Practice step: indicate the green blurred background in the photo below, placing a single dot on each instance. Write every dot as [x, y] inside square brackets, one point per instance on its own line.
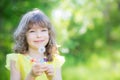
[88, 32]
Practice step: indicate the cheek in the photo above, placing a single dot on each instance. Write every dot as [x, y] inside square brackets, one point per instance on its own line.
[47, 37]
[29, 38]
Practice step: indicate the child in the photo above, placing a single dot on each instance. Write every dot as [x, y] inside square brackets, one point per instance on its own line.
[36, 49]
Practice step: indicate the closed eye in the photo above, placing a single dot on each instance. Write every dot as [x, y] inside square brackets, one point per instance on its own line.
[44, 30]
[31, 31]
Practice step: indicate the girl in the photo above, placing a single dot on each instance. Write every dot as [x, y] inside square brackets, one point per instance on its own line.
[36, 49]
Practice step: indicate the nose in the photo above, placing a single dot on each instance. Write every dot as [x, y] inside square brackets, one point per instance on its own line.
[38, 34]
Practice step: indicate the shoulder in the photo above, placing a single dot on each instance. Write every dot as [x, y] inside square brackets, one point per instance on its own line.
[58, 60]
[11, 57]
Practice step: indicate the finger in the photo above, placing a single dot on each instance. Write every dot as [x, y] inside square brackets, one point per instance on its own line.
[36, 69]
[39, 72]
[38, 66]
[44, 67]
[50, 73]
[50, 68]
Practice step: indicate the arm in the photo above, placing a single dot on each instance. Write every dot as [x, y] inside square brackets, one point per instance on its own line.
[37, 70]
[53, 74]
[14, 72]
[58, 74]
[30, 77]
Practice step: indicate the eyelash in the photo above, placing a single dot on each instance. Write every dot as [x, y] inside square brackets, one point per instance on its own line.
[31, 31]
[43, 30]
[34, 31]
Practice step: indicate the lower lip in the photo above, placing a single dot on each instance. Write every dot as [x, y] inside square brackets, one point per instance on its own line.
[39, 41]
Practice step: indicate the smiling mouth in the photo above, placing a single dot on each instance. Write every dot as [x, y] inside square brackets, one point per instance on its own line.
[39, 41]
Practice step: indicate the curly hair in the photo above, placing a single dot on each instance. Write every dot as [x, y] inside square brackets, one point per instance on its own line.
[28, 20]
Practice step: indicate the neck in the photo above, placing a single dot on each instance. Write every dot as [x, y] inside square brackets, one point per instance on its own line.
[35, 54]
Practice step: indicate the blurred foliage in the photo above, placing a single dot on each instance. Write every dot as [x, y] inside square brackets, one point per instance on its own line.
[87, 31]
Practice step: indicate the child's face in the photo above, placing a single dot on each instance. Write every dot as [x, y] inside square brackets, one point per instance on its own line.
[37, 36]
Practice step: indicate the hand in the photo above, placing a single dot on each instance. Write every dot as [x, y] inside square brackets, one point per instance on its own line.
[49, 70]
[38, 69]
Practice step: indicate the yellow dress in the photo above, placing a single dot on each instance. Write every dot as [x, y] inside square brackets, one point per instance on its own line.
[23, 64]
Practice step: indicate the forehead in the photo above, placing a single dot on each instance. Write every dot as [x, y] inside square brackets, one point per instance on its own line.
[36, 26]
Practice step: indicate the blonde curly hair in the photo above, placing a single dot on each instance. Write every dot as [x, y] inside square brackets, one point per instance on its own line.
[28, 20]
